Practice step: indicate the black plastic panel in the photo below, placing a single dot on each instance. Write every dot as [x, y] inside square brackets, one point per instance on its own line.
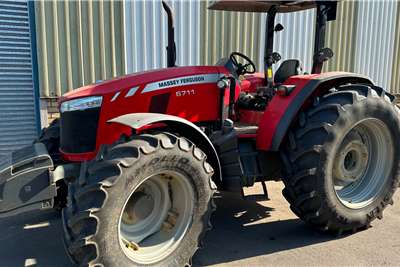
[25, 182]
[159, 103]
[79, 130]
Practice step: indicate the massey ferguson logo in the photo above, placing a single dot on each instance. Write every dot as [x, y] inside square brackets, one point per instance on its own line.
[181, 81]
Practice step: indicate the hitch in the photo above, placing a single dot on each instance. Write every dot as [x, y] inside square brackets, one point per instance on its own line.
[27, 181]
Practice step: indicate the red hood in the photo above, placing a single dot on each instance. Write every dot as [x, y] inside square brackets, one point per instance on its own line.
[138, 79]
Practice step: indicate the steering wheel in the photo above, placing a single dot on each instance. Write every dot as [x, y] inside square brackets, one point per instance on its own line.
[248, 67]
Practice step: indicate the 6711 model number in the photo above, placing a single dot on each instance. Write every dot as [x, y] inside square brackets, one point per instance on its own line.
[185, 92]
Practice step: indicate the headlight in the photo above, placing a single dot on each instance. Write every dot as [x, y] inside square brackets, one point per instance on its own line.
[81, 103]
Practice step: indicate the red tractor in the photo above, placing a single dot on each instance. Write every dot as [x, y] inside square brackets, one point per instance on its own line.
[134, 161]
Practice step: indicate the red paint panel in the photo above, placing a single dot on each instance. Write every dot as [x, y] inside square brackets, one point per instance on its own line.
[276, 109]
[279, 104]
[140, 78]
[247, 135]
[77, 157]
[196, 102]
[252, 82]
[250, 116]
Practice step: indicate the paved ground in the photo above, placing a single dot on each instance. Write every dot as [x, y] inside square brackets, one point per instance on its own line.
[246, 233]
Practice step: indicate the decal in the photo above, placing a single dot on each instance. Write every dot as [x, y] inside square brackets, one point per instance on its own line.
[115, 96]
[181, 81]
[269, 72]
[132, 91]
[185, 93]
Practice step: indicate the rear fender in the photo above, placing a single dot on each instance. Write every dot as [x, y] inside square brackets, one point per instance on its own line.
[282, 110]
[180, 126]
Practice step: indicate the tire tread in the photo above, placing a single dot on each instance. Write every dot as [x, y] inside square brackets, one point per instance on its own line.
[112, 162]
[299, 180]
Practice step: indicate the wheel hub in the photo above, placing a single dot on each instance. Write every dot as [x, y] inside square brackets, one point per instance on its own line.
[363, 163]
[156, 217]
[351, 162]
[139, 207]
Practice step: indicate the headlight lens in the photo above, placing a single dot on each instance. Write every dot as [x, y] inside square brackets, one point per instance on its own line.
[81, 103]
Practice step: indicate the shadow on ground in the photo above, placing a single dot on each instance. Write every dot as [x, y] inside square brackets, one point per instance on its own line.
[32, 239]
[240, 231]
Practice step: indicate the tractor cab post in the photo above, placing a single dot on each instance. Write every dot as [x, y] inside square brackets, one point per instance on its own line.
[269, 47]
[326, 11]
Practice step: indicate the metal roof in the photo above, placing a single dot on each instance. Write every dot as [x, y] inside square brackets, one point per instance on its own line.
[261, 6]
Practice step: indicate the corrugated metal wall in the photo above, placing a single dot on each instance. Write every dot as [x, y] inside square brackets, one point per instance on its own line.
[223, 32]
[297, 39]
[110, 38]
[146, 34]
[375, 41]
[357, 46]
[341, 37]
[18, 120]
[79, 42]
[395, 85]
[204, 36]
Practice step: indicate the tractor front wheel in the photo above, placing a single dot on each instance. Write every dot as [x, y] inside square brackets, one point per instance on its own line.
[342, 161]
[144, 202]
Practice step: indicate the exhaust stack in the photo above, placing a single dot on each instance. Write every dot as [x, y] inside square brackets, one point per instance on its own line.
[171, 48]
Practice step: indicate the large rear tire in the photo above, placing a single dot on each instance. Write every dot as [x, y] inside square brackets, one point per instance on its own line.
[342, 161]
[142, 202]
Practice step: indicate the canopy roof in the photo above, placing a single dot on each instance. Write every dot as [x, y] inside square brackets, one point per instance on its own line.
[261, 6]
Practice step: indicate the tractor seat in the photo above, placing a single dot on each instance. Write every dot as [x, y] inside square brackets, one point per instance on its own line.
[288, 68]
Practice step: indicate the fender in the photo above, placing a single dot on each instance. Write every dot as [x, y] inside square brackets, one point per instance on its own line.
[282, 110]
[181, 126]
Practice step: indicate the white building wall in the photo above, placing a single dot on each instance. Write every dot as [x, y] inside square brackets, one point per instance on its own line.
[146, 34]
[375, 40]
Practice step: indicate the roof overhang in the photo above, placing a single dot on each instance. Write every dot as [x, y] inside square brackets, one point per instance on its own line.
[261, 6]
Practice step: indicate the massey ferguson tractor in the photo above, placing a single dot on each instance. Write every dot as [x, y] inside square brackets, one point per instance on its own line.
[133, 162]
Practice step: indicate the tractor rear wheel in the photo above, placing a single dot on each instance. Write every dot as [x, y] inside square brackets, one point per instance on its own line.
[342, 161]
[142, 202]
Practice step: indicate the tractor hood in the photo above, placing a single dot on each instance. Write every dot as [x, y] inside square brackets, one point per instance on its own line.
[140, 80]
[86, 112]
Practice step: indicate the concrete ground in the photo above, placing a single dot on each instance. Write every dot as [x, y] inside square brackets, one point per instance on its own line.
[246, 233]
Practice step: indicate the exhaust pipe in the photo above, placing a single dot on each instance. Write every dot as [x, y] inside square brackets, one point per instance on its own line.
[171, 48]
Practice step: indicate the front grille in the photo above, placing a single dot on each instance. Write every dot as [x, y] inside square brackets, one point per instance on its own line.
[79, 130]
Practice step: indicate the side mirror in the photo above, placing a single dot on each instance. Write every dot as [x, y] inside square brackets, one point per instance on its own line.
[276, 57]
[324, 54]
[279, 27]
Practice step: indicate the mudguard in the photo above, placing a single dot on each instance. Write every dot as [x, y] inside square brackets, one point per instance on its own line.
[282, 110]
[181, 126]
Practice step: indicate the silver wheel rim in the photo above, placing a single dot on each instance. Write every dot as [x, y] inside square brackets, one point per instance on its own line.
[363, 163]
[156, 217]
